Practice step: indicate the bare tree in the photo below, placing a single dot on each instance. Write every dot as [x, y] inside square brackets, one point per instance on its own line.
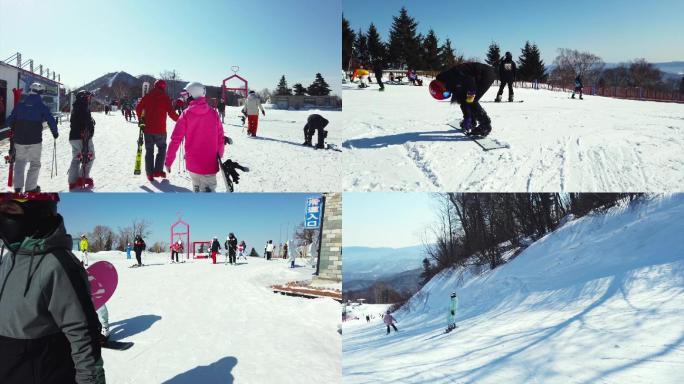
[173, 77]
[645, 74]
[141, 228]
[305, 236]
[125, 236]
[570, 63]
[101, 239]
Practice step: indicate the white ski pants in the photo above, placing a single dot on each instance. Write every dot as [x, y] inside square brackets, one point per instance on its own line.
[203, 183]
[75, 170]
[27, 154]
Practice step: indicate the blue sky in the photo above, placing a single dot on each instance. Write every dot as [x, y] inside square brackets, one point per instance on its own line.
[253, 217]
[386, 219]
[201, 39]
[615, 30]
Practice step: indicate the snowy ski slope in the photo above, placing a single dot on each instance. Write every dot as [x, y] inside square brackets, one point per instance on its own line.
[600, 300]
[399, 141]
[201, 323]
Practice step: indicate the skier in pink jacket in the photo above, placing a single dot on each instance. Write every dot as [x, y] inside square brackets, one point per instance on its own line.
[201, 128]
[389, 320]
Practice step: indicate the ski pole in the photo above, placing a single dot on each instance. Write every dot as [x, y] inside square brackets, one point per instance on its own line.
[53, 170]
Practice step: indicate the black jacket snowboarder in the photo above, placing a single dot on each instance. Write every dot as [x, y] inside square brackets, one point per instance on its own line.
[507, 70]
[138, 247]
[578, 87]
[215, 245]
[467, 83]
[315, 122]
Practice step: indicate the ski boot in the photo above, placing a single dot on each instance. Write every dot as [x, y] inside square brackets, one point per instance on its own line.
[87, 182]
[150, 178]
[322, 134]
[510, 98]
[17, 190]
[498, 99]
[161, 174]
[307, 140]
[34, 190]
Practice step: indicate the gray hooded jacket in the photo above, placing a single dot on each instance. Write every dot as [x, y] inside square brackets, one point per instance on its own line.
[41, 296]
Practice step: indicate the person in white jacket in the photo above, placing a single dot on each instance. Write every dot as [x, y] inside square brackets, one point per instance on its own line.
[252, 108]
[269, 249]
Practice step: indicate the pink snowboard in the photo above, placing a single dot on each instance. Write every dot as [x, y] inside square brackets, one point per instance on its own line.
[103, 280]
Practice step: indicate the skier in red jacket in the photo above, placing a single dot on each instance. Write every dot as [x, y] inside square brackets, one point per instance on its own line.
[154, 107]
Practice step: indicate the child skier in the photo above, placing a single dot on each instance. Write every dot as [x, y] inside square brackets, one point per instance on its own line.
[389, 321]
[578, 87]
[451, 314]
[26, 122]
[81, 140]
[252, 108]
[83, 247]
[466, 83]
[201, 129]
[215, 248]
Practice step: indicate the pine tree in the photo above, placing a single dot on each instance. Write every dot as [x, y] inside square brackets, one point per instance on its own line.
[319, 87]
[493, 55]
[447, 59]
[376, 48]
[404, 46]
[348, 38]
[361, 49]
[282, 89]
[431, 57]
[299, 90]
[530, 65]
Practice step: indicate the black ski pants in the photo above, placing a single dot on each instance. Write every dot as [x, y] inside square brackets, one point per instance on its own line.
[393, 326]
[138, 256]
[174, 253]
[231, 256]
[510, 88]
[154, 164]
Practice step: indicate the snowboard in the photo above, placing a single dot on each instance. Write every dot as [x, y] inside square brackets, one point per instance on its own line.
[117, 345]
[9, 158]
[485, 142]
[138, 154]
[103, 281]
[331, 147]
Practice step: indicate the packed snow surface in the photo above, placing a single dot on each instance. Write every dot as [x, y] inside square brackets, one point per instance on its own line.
[276, 159]
[599, 300]
[196, 322]
[398, 140]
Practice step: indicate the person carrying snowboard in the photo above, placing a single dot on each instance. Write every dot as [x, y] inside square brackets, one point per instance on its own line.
[578, 87]
[83, 247]
[155, 106]
[252, 108]
[451, 314]
[49, 330]
[466, 83]
[26, 123]
[231, 248]
[138, 247]
[314, 123]
[215, 248]
[389, 320]
[202, 133]
[81, 140]
[506, 76]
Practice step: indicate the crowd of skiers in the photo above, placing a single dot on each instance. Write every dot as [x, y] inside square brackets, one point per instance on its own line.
[198, 127]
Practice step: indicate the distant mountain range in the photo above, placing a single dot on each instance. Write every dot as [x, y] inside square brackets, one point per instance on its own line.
[671, 68]
[365, 268]
[114, 84]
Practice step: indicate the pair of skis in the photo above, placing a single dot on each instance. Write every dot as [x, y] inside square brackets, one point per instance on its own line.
[138, 154]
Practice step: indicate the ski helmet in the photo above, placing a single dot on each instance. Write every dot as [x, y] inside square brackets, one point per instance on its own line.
[161, 84]
[438, 90]
[37, 88]
[196, 90]
[509, 56]
[27, 214]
